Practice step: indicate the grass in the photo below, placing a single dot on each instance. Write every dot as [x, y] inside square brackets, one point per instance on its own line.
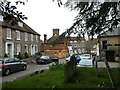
[54, 77]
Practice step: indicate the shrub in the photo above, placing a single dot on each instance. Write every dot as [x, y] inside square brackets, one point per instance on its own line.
[56, 66]
[21, 56]
[38, 53]
[26, 55]
[5, 55]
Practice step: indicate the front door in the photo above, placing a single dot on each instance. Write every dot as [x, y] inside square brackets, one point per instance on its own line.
[10, 49]
[110, 55]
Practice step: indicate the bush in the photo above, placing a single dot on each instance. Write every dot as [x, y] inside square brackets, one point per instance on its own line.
[38, 53]
[56, 66]
[26, 55]
[21, 56]
[5, 55]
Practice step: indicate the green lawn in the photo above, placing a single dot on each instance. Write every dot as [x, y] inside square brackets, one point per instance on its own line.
[54, 77]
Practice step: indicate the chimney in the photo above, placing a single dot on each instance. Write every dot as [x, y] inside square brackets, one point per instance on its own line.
[45, 38]
[56, 32]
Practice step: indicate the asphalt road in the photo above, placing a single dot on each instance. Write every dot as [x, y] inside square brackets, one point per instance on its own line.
[30, 69]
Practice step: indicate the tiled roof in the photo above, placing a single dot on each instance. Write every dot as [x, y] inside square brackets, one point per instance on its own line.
[56, 47]
[25, 27]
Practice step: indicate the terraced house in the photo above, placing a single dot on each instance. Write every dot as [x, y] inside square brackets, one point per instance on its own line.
[18, 38]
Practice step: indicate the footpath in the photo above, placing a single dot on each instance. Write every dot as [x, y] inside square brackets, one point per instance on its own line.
[111, 64]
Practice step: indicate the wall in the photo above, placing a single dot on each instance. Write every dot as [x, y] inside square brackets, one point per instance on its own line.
[0, 41]
[111, 41]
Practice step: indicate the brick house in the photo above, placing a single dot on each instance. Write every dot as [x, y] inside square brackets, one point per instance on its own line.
[18, 38]
[80, 45]
[52, 48]
[109, 45]
[65, 46]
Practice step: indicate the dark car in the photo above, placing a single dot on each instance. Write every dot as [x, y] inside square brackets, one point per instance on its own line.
[43, 60]
[9, 65]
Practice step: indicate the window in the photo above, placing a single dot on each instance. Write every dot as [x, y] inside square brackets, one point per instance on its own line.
[20, 24]
[18, 35]
[26, 36]
[18, 48]
[1, 18]
[104, 44]
[36, 38]
[8, 33]
[31, 37]
[36, 48]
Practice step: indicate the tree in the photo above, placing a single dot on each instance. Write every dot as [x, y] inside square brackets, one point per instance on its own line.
[93, 17]
[10, 12]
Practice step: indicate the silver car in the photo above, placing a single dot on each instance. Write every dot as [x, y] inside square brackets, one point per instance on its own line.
[86, 60]
[9, 65]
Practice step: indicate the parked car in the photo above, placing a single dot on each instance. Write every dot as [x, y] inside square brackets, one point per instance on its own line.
[9, 65]
[77, 58]
[86, 60]
[43, 60]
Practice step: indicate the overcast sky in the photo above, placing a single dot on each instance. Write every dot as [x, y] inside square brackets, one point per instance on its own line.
[44, 15]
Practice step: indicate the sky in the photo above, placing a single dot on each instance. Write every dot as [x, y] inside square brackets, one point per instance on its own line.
[44, 15]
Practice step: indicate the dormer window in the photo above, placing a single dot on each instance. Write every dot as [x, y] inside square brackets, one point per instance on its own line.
[20, 24]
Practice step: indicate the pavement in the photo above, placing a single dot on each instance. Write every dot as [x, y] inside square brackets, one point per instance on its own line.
[111, 64]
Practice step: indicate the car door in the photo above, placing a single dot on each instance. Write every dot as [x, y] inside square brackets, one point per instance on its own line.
[18, 65]
[10, 64]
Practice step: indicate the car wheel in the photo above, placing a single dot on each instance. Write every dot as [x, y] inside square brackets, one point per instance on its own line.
[38, 63]
[24, 67]
[7, 72]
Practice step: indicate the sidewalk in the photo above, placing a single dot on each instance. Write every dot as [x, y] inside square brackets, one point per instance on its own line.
[112, 64]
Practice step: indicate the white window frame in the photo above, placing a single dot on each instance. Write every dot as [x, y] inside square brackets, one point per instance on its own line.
[31, 37]
[26, 36]
[36, 38]
[1, 18]
[9, 32]
[20, 24]
[18, 48]
[36, 48]
[18, 35]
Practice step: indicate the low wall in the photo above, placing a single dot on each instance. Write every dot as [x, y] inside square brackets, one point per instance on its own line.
[69, 69]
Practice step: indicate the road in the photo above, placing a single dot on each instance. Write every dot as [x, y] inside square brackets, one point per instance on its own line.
[30, 69]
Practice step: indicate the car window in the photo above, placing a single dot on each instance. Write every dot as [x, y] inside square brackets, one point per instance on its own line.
[10, 60]
[1, 61]
[17, 60]
[45, 57]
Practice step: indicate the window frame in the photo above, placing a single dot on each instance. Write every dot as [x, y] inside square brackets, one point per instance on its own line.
[18, 50]
[32, 37]
[9, 33]
[26, 36]
[18, 37]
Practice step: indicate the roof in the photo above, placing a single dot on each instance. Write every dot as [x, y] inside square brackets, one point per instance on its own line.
[56, 47]
[52, 39]
[25, 27]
